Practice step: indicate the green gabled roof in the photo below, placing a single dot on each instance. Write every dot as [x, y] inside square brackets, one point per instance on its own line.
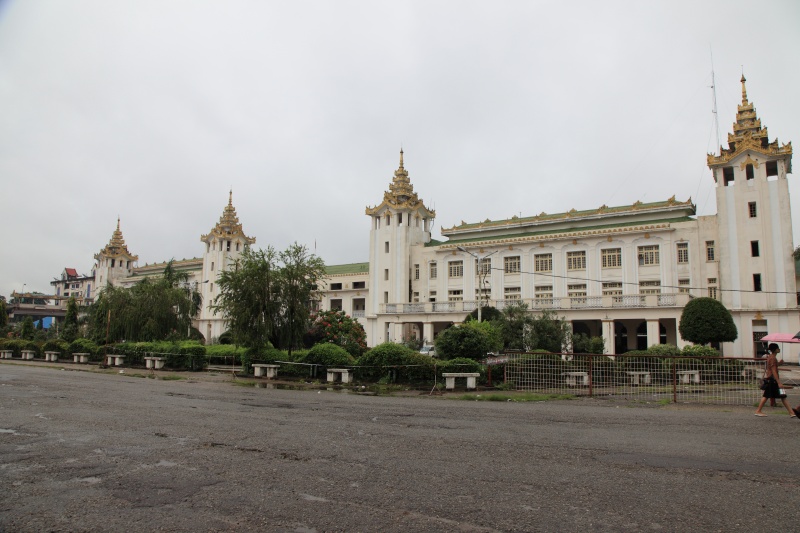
[434, 242]
[352, 268]
[600, 227]
[572, 214]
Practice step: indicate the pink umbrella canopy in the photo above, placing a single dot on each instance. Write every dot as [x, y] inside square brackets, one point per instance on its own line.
[782, 337]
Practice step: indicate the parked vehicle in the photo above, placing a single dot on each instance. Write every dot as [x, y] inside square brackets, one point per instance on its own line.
[428, 350]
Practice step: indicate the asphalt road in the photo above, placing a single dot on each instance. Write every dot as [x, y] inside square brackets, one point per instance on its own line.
[82, 451]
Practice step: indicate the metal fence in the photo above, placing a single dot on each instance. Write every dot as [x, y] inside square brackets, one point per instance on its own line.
[717, 380]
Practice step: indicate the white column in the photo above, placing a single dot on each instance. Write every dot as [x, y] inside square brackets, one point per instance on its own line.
[608, 336]
[427, 332]
[653, 332]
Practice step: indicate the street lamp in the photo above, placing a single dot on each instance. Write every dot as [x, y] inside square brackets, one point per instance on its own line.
[481, 275]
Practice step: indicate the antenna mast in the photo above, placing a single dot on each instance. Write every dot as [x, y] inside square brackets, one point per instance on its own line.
[714, 100]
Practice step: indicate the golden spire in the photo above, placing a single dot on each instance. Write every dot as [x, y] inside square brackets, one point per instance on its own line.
[748, 134]
[744, 90]
[228, 225]
[116, 246]
[401, 194]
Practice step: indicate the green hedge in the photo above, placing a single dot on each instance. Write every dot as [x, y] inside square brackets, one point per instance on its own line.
[185, 355]
[394, 362]
[18, 345]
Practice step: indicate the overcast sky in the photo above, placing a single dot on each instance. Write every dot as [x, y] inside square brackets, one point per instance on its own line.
[153, 110]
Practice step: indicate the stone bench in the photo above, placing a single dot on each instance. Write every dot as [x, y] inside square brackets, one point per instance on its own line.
[573, 379]
[51, 356]
[343, 372]
[639, 378]
[115, 360]
[270, 371]
[154, 362]
[80, 357]
[28, 354]
[450, 379]
[6, 354]
[689, 376]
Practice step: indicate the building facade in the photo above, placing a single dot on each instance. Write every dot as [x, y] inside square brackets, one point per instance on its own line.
[624, 273]
[621, 272]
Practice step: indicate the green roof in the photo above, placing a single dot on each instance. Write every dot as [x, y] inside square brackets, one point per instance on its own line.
[570, 230]
[351, 268]
[574, 214]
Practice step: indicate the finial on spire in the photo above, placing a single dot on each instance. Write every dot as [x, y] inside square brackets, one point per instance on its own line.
[744, 90]
[401, 157]
[230, 197]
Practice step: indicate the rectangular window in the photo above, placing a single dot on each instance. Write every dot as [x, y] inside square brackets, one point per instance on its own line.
[485, 267]
[228, 249]
[485, 294]
[727, 176]
[709, 250]
[212, 287]
[683, 286]
[455, 269]
[712, 292]
[772, 168]
[752, 210]
[754, 251]
[750, 172]
[576, 290]
[113, 262]
[576, 260]
[237, 246]
[543, 291]
[649, 287]
[432, 296]
[386, 297]
[336, 286]
[415, 297]
[683, 252]
[511, 264]
[757, 282]
[359, 284]
[649, 255]
[513, 293]
[433, 271]
[611, 257]
[386, 247]
[386, 274]
[456, 295]
[612, 288]
[416, 271]
[212, 266]
[543, 263]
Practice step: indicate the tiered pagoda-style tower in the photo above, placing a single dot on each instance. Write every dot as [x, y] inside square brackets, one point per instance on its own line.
[224, 243]
[399, 222]
[114, 261]
[754, 217]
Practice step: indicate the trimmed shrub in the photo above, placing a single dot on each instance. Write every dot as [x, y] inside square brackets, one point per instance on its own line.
[395, 362]
[328, 355]
[62, 347]
[698, 350]
[84, 346]
[461, 364]
[664, 349]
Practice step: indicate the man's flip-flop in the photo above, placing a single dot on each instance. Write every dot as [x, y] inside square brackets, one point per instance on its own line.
[760, 414]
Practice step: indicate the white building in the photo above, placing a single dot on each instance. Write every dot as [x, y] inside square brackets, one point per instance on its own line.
[622, 272]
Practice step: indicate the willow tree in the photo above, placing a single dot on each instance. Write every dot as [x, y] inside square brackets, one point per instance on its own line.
[265, 297]
[153, 309]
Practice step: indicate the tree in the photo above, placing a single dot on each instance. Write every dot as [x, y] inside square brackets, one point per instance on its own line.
[248, 298]
[266, 297]
[3, 314]
[298, 279]
[153, 309]
[472, 340]
[706, 320]
[548, 332]
[336, 327]
[27, 330]
[488, 313]
[515, 322]
[70, 330]
[583, 343]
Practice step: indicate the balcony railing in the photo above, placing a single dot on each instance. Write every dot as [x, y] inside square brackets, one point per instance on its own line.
[536, 304]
